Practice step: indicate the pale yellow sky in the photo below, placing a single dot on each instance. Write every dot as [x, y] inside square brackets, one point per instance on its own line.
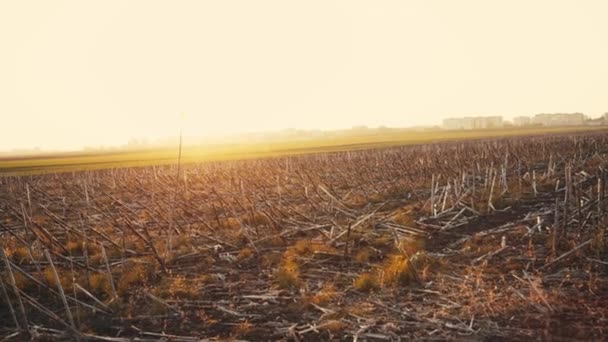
[75, 73]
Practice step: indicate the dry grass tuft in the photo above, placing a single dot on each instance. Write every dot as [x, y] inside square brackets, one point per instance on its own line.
[325, 295]
[366, 282]
[182, 245]
[405, 218]
[271, 259]
[477, 245]
[382, 241]
[65, 278]
[136, 245]
[308, 248]
[362, 309]
[242, 328]
[256, 219]
[231, 223]
[355, 199]
[245, 253]
[377, 197]
[18, 254]
[363, 255]
[180, 287]
[134, 274]
[100, 284]
[287, 278]
[397, 271]
[288, 275]
[22, 282]
[333, 326]
[411, 247]
[275, 241]
[302, 247]
[76, 248]
[205, 279]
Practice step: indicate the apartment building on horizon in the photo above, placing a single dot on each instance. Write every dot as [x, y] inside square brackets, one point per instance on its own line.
[473, 122]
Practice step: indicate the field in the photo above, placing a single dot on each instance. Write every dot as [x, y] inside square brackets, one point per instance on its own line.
[349, 141]
[493, 238]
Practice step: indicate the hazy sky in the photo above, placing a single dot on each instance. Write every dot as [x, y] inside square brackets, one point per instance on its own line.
[75, 73]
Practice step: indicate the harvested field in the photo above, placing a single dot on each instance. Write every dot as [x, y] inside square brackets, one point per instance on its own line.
[480, 240]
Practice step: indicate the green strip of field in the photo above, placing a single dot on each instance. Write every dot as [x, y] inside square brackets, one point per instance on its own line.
[75, 161]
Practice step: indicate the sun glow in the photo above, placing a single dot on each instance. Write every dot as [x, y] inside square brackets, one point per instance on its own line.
[88, 73]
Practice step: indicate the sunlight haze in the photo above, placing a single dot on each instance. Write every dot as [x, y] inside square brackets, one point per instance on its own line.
[89, 73]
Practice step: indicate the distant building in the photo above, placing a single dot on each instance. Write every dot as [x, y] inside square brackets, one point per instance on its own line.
[595, 122]
[522, 121]
[457, 123]
[490, 122]
[470, 122]
[559, 119]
